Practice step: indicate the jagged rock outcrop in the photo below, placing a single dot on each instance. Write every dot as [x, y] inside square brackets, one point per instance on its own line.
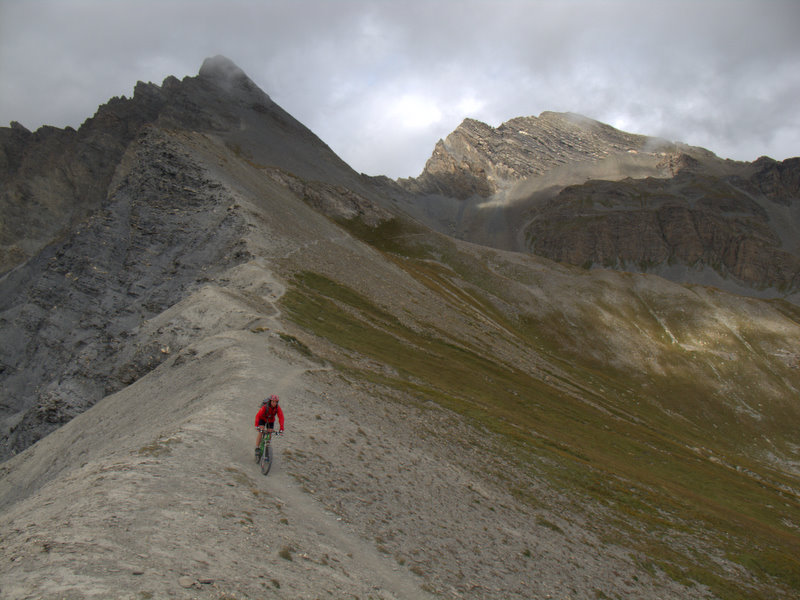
[52, 178]
[778, 181]
[479, 160]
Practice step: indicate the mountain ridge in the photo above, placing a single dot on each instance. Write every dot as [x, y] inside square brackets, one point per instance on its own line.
[78, 165]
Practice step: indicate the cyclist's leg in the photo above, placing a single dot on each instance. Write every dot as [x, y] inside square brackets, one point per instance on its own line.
[259, 436]
[270, 430]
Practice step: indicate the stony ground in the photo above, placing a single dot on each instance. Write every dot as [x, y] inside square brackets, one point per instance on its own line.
[153, 493]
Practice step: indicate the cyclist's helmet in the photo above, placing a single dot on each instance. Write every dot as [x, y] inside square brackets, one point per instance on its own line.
[272, 397]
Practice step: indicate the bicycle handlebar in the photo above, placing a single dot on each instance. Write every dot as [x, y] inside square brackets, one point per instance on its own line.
[265, 429]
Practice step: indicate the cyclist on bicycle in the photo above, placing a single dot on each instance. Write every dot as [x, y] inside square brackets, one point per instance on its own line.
[266, 418]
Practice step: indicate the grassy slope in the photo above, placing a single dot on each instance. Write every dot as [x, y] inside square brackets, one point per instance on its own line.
[659, 406]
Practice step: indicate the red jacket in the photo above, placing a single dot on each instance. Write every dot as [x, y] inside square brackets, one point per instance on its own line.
[267, 413]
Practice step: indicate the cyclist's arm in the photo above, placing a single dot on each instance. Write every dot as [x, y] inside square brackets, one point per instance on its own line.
[260, 415]
[280, 416]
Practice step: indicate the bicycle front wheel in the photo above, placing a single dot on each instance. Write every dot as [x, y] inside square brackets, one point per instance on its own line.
[266, 460]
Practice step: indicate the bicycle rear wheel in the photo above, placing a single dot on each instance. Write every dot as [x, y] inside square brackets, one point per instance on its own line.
[266, 460]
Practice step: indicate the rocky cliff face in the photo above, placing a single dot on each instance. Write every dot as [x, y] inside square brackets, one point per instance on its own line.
[778, 181]
[71, 317]
[694, 220]
[52, 178]
[477, 159]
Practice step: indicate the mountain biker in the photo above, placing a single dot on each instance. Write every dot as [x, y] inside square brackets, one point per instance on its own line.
[265, 417]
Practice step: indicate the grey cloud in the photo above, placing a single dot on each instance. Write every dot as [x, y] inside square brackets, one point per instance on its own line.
[724, 75]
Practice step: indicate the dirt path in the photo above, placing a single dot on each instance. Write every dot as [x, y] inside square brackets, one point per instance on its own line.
[323, 528]
[184, 511]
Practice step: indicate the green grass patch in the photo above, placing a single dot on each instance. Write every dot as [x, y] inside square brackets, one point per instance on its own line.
[296, 344]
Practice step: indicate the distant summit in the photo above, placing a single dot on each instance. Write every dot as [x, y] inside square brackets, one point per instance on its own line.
[221, 68]
[224, 72]
[477, 159]
[559, 185]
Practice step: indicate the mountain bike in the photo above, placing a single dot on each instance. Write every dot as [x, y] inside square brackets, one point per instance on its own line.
[265, 455]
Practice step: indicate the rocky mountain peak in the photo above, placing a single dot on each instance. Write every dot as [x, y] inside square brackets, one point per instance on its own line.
[477, 159]
[221, 68]
[53, 178]
[225, 73]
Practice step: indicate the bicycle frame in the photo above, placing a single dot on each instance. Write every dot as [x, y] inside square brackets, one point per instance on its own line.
[265, 462]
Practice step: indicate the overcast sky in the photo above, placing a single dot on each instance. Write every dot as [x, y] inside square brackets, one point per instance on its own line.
[381, 81]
